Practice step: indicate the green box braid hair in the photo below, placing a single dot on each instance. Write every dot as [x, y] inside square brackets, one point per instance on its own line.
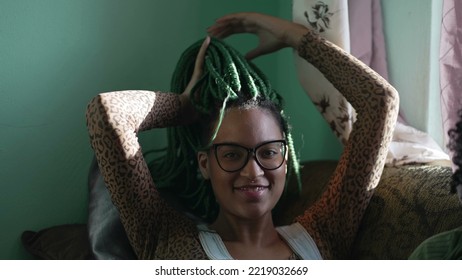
[228, 80]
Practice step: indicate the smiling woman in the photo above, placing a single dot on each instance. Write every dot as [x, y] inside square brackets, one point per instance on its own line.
[248, 181]
[230, 81]
[228, 139]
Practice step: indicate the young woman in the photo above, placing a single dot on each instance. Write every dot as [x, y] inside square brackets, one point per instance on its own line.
[234, 150]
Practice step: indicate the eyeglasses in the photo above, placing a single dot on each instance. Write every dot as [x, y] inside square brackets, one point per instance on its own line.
[232, 157]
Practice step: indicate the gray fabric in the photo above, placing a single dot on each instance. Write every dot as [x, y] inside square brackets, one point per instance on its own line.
[107, 236]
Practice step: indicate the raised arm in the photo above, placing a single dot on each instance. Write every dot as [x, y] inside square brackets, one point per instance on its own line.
[114, 120]
[334, 219]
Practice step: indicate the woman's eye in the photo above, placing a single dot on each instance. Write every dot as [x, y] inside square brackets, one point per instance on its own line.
[231, 155]
[269, 153]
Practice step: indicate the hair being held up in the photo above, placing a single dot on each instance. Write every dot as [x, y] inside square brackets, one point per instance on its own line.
[228, 80]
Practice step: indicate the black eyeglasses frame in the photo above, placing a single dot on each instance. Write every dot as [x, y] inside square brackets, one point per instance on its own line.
[250, 151]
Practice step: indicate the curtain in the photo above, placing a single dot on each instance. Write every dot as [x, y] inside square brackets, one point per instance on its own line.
[451, 63]
[356, 26]
[330, 19]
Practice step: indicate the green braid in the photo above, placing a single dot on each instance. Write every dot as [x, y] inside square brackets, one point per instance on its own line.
[227, 77]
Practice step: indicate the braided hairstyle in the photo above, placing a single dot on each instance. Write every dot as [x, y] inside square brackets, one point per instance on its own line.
[455, 144]
[228, 81]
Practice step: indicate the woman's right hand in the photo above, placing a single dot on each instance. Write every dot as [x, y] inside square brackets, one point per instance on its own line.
[273, 33]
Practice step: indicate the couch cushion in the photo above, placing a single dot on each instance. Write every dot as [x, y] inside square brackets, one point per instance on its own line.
[62, 242]
[411, 203]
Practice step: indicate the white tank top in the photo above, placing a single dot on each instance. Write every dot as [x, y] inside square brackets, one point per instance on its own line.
[295, 235]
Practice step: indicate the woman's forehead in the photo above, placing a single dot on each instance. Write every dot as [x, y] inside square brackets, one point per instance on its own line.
[252, 125]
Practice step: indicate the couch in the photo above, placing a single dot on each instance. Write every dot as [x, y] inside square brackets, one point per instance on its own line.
[410, 204]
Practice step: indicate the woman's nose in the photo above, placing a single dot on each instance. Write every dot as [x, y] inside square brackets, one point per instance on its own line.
[252, 169]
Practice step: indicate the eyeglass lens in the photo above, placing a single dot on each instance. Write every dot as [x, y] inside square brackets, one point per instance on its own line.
[233, 157]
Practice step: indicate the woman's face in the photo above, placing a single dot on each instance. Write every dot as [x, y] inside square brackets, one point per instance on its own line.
[252, 191]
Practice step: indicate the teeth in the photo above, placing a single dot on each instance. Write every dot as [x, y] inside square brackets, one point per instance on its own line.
[252, 188]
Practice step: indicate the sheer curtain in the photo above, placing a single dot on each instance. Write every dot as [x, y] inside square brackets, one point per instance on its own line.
[451, 63]
[356, 26]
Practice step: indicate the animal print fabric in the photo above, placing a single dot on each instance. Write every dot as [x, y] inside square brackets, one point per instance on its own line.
[157, 231]
[334, 219]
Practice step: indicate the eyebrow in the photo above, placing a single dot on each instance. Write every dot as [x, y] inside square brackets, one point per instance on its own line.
[239, 144]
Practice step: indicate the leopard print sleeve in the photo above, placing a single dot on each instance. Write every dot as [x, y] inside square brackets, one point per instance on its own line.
[334, 219]
[113, 121]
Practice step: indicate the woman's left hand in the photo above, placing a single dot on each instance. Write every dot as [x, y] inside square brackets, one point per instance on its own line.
[273, 33]
[188, 113]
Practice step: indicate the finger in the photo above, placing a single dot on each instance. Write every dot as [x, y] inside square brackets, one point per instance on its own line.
[225, 27]
[200, 57]
[215, 30]
[203, 49]
[223, 30]
[232, 18]
[228, 18]
[240, 22]
[253, 54]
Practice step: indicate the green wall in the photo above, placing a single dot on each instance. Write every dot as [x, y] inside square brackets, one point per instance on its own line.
[412, 38]
[57, 54]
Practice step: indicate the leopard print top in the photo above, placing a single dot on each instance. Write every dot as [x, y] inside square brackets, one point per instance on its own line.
[157, 231]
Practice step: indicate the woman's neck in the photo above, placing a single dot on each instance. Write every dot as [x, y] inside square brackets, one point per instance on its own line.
[256, 232]
[251, 239]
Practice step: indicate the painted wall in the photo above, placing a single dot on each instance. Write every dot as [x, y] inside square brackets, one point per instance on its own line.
[56, 54]
[412, 32]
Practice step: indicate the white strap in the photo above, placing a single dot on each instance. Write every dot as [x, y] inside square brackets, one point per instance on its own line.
[300, 241]
[212, 244]
[295, 235]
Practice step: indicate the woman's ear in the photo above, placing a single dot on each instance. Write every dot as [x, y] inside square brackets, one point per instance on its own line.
[203, 160]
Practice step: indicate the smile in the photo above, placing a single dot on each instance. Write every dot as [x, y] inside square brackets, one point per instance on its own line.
[251, 193]
[251, 188]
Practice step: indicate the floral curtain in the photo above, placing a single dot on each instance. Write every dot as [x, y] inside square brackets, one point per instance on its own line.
[330, 19]
[356, 26]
